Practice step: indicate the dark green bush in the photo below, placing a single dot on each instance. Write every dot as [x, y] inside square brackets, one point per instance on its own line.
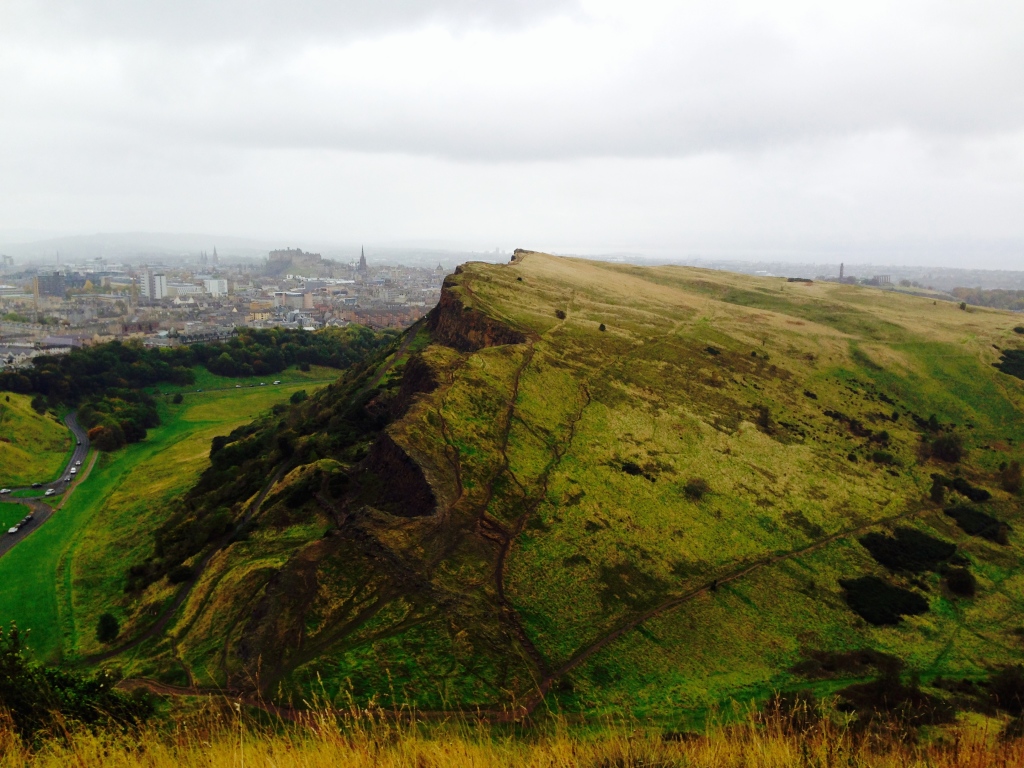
[601, 327]
[974, 522]
[1010, 477]
[909, 550]
[298, 397]
[180, 574]
[560, 314]
[973, 493]
[39, 699]
[107, 628]
[948, 448]
[961, 582]
[1012, 362]
[880, 603]
[177, 399]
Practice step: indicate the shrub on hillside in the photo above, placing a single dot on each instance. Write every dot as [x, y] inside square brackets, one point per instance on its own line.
[909, 550]
[107, 628]
[948, 448]
[298, 397]
[961, 581]
[560, 314]
[1006, 688]
[37, 699]
[880, 603]
[696, 488]
[180, 574]
[973, 493]
[177, 399]
[974, 522]
[1012, 362]
[938, 490]
[1010, 477]
[894, 704]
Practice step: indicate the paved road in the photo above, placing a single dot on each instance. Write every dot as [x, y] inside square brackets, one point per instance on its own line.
[42, 510]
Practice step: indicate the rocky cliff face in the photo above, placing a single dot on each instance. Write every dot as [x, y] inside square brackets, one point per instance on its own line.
[460, 326]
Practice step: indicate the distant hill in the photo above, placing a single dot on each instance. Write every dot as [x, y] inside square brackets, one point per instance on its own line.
[604, 486]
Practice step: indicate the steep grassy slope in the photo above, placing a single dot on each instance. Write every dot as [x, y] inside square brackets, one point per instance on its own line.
[57, 581]
[33, 447]
[612, 486]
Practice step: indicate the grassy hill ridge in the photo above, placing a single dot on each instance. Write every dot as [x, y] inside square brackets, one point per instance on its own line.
[612, 486]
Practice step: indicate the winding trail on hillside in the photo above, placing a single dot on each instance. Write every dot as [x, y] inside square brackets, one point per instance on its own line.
[158, 626]
[168, 613]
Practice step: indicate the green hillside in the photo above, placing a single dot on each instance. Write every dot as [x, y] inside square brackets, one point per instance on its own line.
[609, 487]
[59, 580]
[33, 447]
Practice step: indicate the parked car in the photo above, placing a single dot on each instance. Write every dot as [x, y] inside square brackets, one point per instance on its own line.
[278, 381]
[74, 470]
[5, 490]
[78, 463]
[50, 492]
[238, 386]
[13, 529]
[79, 442]
[37, 485]
[263, 383]
[67, 479]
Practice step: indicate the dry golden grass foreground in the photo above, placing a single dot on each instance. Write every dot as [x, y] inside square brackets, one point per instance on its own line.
[212, 741]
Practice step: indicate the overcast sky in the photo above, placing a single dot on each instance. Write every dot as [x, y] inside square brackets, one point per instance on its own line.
[882, 129]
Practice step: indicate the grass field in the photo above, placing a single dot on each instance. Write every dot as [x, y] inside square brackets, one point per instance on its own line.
[33, 447]
[56, 582]
[10, 514]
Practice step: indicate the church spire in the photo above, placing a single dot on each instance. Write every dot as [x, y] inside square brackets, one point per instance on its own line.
[362, 259]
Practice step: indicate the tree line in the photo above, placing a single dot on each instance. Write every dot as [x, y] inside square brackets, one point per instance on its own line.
[108, 382]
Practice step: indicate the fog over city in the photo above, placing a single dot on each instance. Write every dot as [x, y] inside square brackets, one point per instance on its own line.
[872, 132]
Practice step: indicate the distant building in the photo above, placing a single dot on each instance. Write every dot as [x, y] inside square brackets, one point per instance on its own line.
[51, 285]
[181, 290]
[363, 268]
[154, 285]
[216, 287]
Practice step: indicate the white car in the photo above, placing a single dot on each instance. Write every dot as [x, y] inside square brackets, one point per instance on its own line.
[238, 386]
[13, 529]
[78, 463]
[278, 381]
[5, 490]
[74, 470]
[67, 479]
[50, 492]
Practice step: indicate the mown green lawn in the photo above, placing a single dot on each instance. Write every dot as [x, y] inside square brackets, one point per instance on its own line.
[37, 578]
[10, 514]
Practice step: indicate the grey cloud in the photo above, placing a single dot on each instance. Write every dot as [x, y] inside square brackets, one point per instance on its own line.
[188, 23]
[715, 81]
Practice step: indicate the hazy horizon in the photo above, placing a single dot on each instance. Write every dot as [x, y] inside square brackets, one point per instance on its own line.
[868, 133]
